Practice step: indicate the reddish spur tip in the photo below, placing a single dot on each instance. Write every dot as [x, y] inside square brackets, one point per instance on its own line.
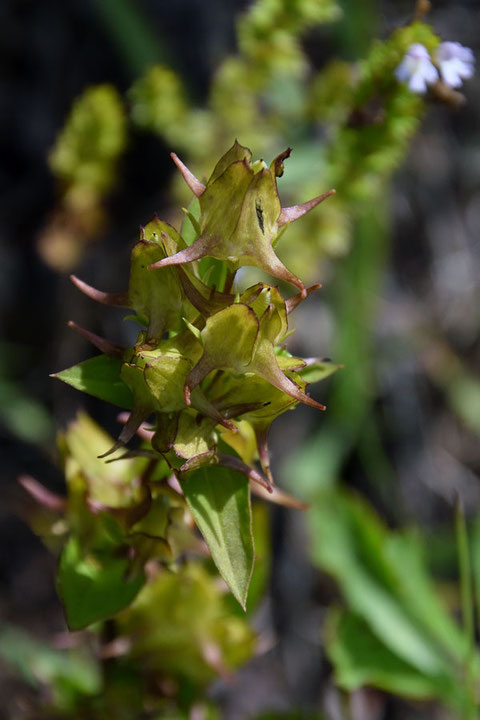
[290, 214]
[193, 183]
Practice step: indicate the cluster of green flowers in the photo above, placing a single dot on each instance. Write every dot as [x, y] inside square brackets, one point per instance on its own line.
[209, 363]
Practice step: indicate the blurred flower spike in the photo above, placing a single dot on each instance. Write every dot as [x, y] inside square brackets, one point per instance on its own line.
[417, 69]
[456, 63]
[453, 64]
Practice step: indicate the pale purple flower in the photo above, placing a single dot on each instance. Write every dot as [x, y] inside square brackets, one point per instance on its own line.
[455, 62]
[417, 69]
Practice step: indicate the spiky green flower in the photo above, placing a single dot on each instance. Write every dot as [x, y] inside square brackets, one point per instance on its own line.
[208, 373]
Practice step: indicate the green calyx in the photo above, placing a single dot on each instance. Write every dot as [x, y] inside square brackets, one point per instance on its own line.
[241, 214]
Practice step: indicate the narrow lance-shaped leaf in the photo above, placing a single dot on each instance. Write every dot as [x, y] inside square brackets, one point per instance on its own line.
[219, 500]
[99, 376]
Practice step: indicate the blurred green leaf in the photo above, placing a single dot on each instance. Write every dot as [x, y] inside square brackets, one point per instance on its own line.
[417, 592]
[94, 587]
[137, 39]
[220, 503]
[465, 566]
[463, 392]
[360, 658]
[268, 32]
[180, 627]
[385, 583]
[475, 549]
[110, 484]
[24, 416]
[99, 376]
[318, 370]
[213, 272]
[66, 672]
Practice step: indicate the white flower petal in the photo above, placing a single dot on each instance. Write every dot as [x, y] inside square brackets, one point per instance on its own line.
[465, 70]
[418, 51]
[450, 75]
[417, 69]
[417, 83]
[465, 54]
[429, 71]
[456, 62]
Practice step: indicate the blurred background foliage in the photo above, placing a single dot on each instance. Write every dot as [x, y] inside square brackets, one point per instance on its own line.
[362, 607]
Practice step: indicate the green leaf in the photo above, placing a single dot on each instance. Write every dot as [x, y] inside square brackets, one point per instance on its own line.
[360, 659]
[24, 416]
[219, 500]
[263, 560]
[94, 587]
[194, 436]
[318, 370]
[418, 594]
[386, 585]
[476, 563]
[165, 377]
[65, 672]
[99, 376]
[350, 543]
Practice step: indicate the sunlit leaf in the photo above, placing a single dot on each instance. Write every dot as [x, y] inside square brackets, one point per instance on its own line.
[99, 376]
[220, 503]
